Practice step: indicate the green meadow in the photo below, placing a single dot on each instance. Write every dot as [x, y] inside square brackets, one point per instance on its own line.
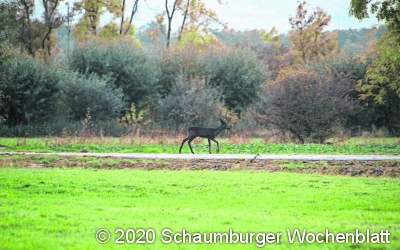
[389, 145]
[62, 208]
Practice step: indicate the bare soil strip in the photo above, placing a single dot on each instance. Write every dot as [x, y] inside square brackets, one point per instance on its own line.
[347, 168]
[220, 156]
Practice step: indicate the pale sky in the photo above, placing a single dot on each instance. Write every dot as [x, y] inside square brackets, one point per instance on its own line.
[256, 14]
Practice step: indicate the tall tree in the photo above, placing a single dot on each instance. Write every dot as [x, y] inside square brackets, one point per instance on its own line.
[32, 35]
[92, 10]
[121, 26]
[170, 11]
[89, 22]
[381, 85]
[25, 13]
[310, 42]
[195, 17]
[10, 27]
[185, 16]
[386, 10]
[52, 20]
[129, 24]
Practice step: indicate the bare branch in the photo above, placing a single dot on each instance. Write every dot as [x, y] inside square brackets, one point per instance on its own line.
[170, 16]
[122, 17]
[51, 21]
[185, 14]
[134, 10]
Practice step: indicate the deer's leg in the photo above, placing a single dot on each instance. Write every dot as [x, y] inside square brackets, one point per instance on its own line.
[209, 146]
[217, 144]
[183, 142]
[190, 145]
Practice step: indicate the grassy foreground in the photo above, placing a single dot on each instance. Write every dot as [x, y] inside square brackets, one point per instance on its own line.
[171, 145]
[63, 208]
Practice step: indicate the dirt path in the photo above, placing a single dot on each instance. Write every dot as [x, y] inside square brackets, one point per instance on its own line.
[222, 156]
[348, 168]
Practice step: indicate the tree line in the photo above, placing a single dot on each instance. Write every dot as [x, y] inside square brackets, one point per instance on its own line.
[307, 87]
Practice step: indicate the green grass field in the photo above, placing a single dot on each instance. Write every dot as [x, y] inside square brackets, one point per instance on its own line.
[254, 146]
[63, 208]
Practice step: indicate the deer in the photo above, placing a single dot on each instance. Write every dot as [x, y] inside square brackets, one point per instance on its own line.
[209, 133]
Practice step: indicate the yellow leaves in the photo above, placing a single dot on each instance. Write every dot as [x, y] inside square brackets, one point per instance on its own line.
[114, 7]
[92, 10]
[271, 37]
[294, 72]
[134, 117]
[197, 38]
[200, 15]
[228, 115]
[310, 42]
[81, 29]
[109, 31]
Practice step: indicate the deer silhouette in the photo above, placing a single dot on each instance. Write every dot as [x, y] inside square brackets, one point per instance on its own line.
[209, 133]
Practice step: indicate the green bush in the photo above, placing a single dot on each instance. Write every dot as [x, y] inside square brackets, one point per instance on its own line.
[29, 91]
[190, 102]
[352, 69]
[128, 68]
[238, 73]
[63, 127]
[90, 95]
[381, 86]
[36, 93]
[177, 62]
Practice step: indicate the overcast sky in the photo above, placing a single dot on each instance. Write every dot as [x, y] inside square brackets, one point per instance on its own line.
[265, 14]
[257, 14]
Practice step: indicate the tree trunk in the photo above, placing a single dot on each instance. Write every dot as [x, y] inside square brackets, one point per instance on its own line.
[169, 32]
[47, 37]
[184, 20]
[28, 27]
[134, 9]
[122, 17]
[170, 16]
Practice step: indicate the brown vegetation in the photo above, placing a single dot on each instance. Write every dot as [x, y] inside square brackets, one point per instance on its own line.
[351, 168]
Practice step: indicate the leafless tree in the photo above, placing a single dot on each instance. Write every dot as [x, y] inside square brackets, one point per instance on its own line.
[170, 16]
[121, 26]
[185, 15]
[52, 20]
[133, 12]
[26, 10]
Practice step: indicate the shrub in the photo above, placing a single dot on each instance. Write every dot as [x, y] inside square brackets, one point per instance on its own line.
[238, 73]
[309, 106]
[352, 69]
[248, 124]
[3, 117]
[64, 127]
[190, 102]
[29, 91]
[177, 62]
[90, 94]
[34, 93]
[381, 86]
[126, 66]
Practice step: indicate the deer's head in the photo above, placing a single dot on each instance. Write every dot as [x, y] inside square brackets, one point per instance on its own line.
[224, 125]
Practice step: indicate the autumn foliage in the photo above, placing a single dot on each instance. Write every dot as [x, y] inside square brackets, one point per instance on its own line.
[187, 67]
